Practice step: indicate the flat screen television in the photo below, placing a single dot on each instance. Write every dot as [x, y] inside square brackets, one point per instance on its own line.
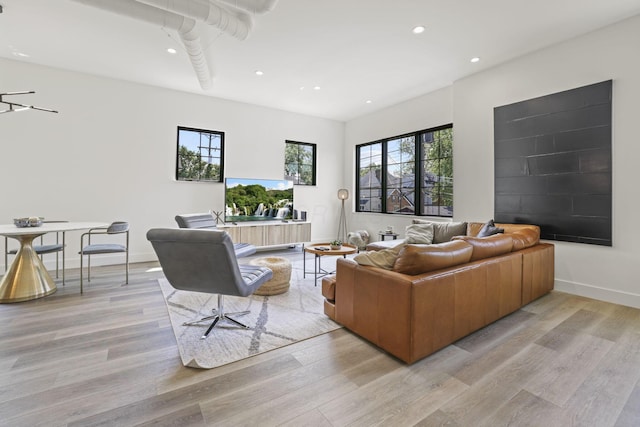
[258, 199]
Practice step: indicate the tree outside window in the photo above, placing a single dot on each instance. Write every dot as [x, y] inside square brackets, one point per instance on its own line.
[300, 162]
[437, 172]
[200, 155]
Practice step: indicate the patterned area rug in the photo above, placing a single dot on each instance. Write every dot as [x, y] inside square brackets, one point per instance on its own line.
[275, 321]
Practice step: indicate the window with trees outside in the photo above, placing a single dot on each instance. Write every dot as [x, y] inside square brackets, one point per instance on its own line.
[200, 155]
[410, 174]
[300, 162]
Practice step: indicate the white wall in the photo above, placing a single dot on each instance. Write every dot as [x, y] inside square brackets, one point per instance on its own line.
[608, 273]
[431, 110]
[110, 154]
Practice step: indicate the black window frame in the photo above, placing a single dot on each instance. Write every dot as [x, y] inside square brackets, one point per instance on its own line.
[298, 163]
[199, 178]
[419, 175]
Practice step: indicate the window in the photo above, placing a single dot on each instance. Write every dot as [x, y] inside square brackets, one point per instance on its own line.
[413, 171]
[300, 162]
[401, 175]
[200, 155]
[369, 178]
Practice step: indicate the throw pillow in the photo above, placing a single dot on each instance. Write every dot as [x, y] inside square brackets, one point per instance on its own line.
[489, 229]
[384, 258]
[444, 231]
[419, 233]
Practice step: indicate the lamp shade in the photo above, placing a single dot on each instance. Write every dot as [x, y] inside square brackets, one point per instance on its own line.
[343, 194]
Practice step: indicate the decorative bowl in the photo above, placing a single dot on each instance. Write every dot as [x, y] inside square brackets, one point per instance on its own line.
[335, 247]
[32, 221]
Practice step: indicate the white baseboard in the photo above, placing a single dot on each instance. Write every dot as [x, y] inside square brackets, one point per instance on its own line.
[97, 260]
[617, 297]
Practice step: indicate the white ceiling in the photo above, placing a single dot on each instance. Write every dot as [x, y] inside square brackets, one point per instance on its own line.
[355, 50]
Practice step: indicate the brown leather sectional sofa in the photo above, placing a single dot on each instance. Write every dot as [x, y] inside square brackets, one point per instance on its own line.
[436, 294]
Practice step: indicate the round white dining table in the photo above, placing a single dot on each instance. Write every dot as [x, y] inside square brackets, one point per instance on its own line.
[27, 278]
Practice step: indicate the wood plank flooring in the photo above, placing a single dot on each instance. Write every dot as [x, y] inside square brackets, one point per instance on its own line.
[109, 358]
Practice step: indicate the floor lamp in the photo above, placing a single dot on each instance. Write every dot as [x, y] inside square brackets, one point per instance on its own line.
[343, 194]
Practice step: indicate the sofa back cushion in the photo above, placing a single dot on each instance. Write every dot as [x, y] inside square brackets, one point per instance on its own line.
[418, 259]
[524, 235]
[525, 238]
[487, 247]
[444, 231]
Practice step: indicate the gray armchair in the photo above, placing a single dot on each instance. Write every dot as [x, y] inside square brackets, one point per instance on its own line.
[205, 261]
[205, 221]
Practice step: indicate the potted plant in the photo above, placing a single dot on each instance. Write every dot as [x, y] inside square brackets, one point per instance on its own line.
[336, 244]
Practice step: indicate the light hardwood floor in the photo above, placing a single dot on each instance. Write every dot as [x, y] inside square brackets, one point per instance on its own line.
[109, 358]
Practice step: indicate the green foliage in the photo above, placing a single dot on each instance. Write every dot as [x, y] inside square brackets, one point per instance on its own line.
[247, 198]
[441, 150]
[192, 167]
[365, 170]
[408, 149]
[298, 162]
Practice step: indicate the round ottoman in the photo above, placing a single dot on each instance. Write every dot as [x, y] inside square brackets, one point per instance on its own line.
[279, 283]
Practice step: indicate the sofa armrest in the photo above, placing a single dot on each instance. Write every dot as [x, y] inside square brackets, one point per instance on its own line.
[329, 294]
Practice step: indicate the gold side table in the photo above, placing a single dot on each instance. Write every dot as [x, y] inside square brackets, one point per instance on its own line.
[320, 250]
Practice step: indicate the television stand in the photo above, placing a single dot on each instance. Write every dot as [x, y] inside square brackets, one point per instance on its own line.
[269, 233]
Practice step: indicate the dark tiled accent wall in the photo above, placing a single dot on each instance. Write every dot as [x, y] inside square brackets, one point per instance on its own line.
[553, 164]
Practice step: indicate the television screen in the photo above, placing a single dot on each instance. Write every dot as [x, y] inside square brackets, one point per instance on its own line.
[258, 199]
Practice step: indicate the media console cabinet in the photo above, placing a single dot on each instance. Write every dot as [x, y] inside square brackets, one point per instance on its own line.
[270, 233]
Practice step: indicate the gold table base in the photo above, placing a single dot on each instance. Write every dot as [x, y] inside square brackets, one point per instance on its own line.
[27, 278]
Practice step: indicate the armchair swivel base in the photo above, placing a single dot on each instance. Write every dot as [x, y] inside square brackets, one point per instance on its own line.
[219, 315]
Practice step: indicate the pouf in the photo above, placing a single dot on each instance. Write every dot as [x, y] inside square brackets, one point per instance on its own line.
[279, 283]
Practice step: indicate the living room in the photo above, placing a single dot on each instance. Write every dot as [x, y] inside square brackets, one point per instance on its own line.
[110, 152]
[93, 154]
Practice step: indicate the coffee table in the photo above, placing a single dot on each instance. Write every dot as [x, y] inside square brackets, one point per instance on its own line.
[320, 250]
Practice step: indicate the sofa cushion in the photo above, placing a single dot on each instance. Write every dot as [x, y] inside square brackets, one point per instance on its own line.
[384, 258]
[525, 238]
[444, 231]
[489, 228]
[418, 259]
[329, 287]
[487, 247]
[419, 233]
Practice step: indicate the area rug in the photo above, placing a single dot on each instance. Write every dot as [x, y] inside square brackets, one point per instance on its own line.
[274, 321]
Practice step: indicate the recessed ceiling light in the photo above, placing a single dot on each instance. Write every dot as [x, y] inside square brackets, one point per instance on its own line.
[316, 88]
[20, 54]
[172, 51]
[301, 87]
[259, 73]
[418, 29]
[368, 101]
[475, 59]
